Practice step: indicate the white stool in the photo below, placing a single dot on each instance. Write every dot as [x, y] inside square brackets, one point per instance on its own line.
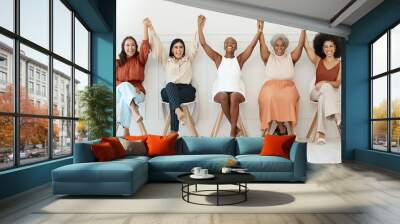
[188, 116]
[217, 124]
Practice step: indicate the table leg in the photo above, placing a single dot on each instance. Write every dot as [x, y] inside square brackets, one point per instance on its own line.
[245, 193]
[217, 194]
[196, 187]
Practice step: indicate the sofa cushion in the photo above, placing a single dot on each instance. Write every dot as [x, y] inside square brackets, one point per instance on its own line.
[161, 145]
[277, 145]
[206, 145]
[257, 163]
[112, 171]
[185, 163]
[116, 145]
[249, 145]
[134, 147]
[103, 152]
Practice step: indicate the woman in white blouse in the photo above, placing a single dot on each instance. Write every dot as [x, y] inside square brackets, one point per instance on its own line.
[178, 66]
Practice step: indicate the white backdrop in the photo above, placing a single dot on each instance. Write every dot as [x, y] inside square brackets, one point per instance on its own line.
[171, 21]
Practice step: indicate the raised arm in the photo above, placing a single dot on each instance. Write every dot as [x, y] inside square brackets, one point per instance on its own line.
[310, 51]
[217, 58]
[264, 52]
[242, 58]
[194, 47]
[296, 53]
[157, 46]
[145, 46]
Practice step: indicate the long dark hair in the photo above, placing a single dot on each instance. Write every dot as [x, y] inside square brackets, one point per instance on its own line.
[177, 40]
[319, 41]
[122, 54]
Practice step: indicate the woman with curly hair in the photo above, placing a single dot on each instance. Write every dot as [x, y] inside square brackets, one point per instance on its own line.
[326, 57]
[278, 98]
[129, 78]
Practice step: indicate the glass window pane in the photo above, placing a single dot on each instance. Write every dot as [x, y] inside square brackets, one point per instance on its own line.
[35, 21]
[395, 94]
[6, 142]
[395, 47]
[62, 29]
[33, 140]
[379, 135]
[62, 138]
[7, 14]
[379, 97]
[62, 89]
[81, 131]
[34, 97]
[395, 138]
[379, 55]
[81, 81]
[6, 74]
[81, 45]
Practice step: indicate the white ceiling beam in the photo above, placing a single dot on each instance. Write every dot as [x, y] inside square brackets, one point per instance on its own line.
[347, 12]
[269, 15]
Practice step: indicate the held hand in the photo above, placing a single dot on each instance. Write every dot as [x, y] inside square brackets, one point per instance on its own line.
[260, 25]
[201, 20]
[147, 22]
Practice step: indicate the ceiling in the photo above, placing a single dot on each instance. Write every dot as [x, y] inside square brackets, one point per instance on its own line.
[327, 16]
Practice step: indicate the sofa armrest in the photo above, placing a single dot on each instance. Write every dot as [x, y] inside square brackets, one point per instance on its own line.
[298, 155]
[83, 152]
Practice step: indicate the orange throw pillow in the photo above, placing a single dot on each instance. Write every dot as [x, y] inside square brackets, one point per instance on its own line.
[277, 145]
[142, 138]
[116, 145]
[161, 145]
[103, 151]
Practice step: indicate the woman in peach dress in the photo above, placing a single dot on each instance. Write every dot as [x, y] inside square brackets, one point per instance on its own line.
[278, 99]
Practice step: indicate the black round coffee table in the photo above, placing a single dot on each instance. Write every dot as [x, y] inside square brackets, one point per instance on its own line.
[238, 179]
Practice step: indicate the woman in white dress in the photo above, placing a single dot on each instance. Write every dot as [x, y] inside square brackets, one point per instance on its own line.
[228, 89]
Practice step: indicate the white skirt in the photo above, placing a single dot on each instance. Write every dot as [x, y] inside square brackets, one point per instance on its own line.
[224, 86]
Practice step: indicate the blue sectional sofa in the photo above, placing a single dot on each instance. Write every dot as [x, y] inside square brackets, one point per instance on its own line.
[125, 176]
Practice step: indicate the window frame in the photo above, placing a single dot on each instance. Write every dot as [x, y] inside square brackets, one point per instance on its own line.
[16, 115]
[388, 74]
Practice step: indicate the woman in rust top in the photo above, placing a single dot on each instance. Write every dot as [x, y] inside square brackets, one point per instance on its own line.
[326, 57]
[130, 75]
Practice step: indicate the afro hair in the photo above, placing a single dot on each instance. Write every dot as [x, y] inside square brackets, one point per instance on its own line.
[319, 41]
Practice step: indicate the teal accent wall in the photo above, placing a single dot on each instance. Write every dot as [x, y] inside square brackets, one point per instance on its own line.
[99, 16]
[357, 99]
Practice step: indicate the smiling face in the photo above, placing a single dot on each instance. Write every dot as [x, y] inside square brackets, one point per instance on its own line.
[130, 48]
[329, 48]
[279, 47]
[230, 45]
[178, 50]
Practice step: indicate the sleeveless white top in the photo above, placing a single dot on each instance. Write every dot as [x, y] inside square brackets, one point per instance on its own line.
[229, 77]
[279, 67]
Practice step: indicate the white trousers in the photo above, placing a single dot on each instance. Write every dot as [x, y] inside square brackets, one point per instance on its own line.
[328, 100]
[126, 92]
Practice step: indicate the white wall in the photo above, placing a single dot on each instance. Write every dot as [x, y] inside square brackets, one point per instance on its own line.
[171, 21]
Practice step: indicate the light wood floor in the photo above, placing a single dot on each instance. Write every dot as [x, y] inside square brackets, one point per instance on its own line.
[377, 188]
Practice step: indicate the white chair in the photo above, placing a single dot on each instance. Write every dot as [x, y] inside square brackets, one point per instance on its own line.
[188, 115]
